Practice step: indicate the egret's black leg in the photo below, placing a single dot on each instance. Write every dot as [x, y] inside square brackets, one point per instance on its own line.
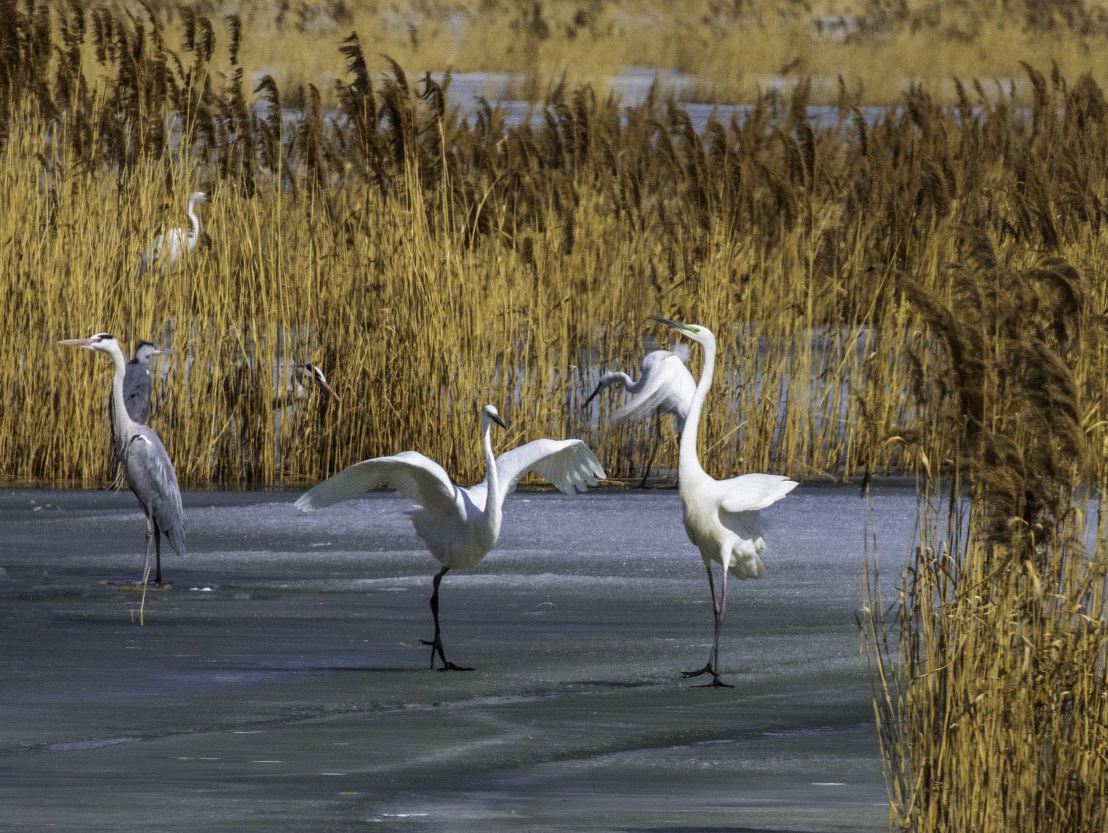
[708, 668]
[654, 449]
[436, 643]
[720, 609]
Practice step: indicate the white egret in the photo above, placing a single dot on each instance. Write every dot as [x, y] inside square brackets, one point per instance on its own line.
[665, 386]
[150, 472]
[168, 248]
[460, 525]
[721, 516]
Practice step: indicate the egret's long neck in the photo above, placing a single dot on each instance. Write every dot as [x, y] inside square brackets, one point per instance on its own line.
[494, 500]
[194, 223]
[687, 462]
[123, 427]
[617, 377]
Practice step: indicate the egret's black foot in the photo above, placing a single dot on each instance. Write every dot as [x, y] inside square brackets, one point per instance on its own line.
[715, 683]
[452, 667]
[436, 648]
[707, 669]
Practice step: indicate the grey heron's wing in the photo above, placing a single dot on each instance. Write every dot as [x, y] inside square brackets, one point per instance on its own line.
[665, 384]
[419, 478]
[569, 464]
[152, 478]
[751, 492]
[137, 384]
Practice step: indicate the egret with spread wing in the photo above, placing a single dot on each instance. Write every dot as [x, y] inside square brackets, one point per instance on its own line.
[665, 386]
[460, 525]
[146, 463]
[173, 244]
[721, 516]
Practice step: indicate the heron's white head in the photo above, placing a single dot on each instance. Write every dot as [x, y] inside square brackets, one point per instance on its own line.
[100, 341]
[198, 197]
[315, 375]
[492, 414]
[696, 332]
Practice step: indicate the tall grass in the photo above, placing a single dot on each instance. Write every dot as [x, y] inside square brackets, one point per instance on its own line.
[730, 46]
[430, 263]
[992, 666]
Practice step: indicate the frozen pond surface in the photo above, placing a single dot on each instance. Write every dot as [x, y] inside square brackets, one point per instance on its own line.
[279, 684]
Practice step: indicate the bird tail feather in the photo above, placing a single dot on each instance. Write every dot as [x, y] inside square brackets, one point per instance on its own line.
[176, 536]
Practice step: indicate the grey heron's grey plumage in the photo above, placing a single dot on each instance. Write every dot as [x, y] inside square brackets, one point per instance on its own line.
[150, 472]
[137, 384]
[301, 380]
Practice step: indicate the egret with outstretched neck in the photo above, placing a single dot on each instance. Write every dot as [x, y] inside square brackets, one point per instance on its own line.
[150, 472]
[173, 244]
[664, 386]
[721, 516]
[460, 525]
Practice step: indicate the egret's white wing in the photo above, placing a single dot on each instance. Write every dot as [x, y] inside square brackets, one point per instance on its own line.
[751, 492]
[420, 478]
[665, 384]
[568, 464]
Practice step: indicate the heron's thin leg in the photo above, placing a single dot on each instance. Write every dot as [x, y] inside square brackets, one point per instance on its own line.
[436, 643]
[654, 449]
[150, 532]
[709, 668]
[158, 550]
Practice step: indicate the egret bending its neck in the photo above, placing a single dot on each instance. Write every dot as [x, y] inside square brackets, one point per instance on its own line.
[194, 220]
[492, 501]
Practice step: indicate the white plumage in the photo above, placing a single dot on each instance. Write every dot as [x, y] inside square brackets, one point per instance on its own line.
[664, 386]
[721, 516]
[460, 525]
[169, 247]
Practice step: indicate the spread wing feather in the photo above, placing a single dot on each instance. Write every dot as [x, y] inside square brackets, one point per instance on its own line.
[751, 492]
[665, 384]
[419, 478]
[569, 464]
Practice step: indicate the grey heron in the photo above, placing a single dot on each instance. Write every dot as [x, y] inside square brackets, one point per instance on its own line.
[168, 248]
[665, 386]
[137, 384]
[460, 525]
[721, 516]
[301, 381]
[150, 472]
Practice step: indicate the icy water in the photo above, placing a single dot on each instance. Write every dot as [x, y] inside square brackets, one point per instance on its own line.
[279, 684]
